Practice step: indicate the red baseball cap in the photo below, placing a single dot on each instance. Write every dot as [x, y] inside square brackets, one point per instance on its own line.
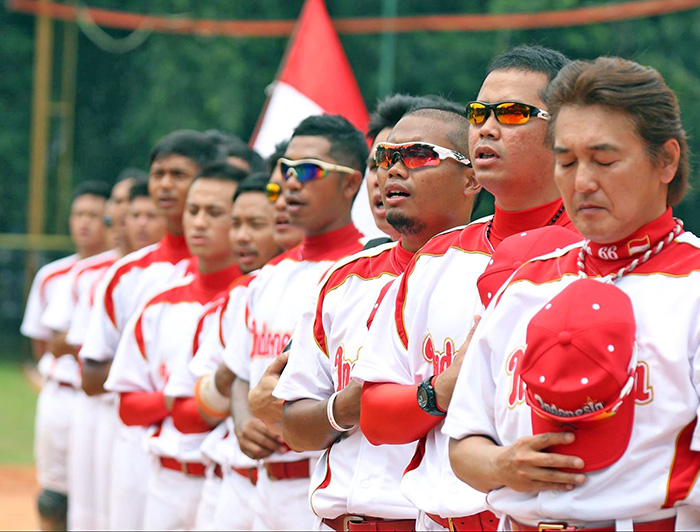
[516, 250]
[579, 367]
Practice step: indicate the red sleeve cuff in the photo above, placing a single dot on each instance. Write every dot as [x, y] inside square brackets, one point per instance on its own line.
[142, 408]
[187, 418]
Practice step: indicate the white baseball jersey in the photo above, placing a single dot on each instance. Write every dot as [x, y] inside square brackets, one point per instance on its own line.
[353, 476]
[49, 284]
[158, 339]
[129, 282]
[661, 464]
[420, 325]
[85, 284]
[276, 299]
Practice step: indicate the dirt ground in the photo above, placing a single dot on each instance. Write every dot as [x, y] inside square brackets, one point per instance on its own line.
[18, 490]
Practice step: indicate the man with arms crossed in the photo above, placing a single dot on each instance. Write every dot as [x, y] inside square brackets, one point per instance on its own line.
[322, 168]
[408, 366]
[427, 187]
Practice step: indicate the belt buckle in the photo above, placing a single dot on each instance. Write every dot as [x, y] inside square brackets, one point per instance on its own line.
[544, 527]
[352, 519]
[451, 524]
[183, 468]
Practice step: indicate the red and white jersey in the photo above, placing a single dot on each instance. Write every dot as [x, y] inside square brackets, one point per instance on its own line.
[208, 357]
[420, 325]
[157, 341]
[276, 298]
[44, 285]
[49, 283]
[131, 281]
[61, 311]
[353, 476]
[661, 464]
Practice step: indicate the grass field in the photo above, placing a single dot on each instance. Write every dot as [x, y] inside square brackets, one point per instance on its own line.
[17, 405]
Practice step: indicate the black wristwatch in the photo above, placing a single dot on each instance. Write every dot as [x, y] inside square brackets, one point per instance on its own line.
[426, 397]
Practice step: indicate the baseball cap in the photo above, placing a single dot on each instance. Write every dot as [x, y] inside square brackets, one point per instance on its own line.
[517, 249]
[578, 369]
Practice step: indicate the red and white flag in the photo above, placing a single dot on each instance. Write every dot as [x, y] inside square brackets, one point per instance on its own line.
[315, 77]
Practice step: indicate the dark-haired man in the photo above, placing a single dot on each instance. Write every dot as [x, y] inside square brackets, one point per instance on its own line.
[173, 164]
[414, 343]
[427, 187]
[57, 363]
[144, 224]
[322, 168]
[157, 341]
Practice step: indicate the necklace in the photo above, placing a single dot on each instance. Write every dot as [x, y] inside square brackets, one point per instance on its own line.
[585, 250]
[551, 222]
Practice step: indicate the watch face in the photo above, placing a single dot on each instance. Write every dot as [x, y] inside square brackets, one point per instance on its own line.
[422, 396]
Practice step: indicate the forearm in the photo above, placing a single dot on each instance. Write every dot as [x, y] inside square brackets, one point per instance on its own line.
[38, 348]
[94, 376]
[472, 461]
[187, 418]
[142, 408]
[390, 414]
[239, 402]
[305, 424]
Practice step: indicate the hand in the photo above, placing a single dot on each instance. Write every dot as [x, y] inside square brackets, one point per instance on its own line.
[261, 402]
[444, 384]
[525, 466]
[257, 440]
[346, 408]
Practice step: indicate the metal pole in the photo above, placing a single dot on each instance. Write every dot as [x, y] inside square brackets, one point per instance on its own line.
[65, 156]
[387, 52]
[43, 45]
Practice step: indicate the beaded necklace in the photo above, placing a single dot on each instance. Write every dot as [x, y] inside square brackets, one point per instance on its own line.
[551, 222]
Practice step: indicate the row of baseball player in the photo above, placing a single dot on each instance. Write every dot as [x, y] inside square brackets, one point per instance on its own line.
[534, 368]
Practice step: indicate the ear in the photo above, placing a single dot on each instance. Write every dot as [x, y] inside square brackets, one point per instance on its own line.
[351, 184]
[669, 160]
[471, 187]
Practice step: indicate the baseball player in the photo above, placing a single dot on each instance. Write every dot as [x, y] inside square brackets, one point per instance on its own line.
[427, 186]
[322, 168]
[174, 162]
[158, 340]
[621, 162]
[199, 406]
[58, 365]
[426, 314]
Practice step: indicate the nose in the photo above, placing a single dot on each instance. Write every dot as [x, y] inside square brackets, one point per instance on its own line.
[490, 127]
[585, 180]
[291, 182]
[201, 218]
[397, 168]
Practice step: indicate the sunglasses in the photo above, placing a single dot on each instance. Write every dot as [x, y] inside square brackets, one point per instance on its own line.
[304, 170]
[272, 192]
[415, 155]
[511, 113]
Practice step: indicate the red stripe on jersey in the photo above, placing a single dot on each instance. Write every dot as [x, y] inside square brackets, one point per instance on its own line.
[366, 268]
[684, 469]
[469, 239]
[417, 456]
[142, 262]
[52, 275]
[92, 267]
[375, 308]
[327, 478]
[241, 281]
[210, 309]
[138, 333]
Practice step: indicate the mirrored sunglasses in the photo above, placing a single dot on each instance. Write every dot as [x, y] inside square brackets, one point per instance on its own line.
[415, 155]
[272, 192]
[511, 113]
[304, 170]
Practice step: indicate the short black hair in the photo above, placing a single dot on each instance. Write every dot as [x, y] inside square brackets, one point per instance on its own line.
[449, 112]
[253, 183]
[194, 145]
[92, 188]
[530, 58]
[139, 189]
[348, 145]
[221, 170]
[234, 146]
[390, 110]
[130, 173]
[275, 156]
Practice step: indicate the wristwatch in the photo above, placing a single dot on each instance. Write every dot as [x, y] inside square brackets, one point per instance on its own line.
[426, 397]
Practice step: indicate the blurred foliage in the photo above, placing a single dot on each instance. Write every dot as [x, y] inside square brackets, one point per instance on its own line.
[125, 102]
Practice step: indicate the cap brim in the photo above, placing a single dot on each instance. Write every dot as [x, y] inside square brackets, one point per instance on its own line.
[598, 443]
